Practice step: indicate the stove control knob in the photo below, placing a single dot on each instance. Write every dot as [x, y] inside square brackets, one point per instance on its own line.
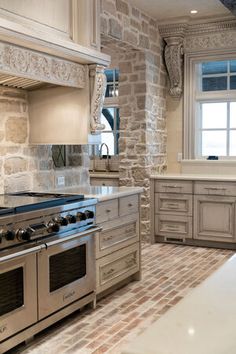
[61, 220]
[24, 234]
[10, 235]
[81, 216]
[71, 219]
[89, 214]
[53, 226]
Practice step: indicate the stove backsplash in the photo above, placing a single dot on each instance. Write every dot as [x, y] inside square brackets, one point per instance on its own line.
[25, 167]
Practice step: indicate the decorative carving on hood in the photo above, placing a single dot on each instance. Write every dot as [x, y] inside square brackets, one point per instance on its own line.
[99, 82]
[21, 62]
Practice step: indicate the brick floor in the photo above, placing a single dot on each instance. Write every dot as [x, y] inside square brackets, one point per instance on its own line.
[169, 272]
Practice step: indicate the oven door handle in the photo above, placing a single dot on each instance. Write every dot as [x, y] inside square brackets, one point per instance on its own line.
[23, 253]
[76, 235]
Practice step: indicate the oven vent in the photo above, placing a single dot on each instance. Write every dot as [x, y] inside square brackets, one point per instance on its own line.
[20, 82]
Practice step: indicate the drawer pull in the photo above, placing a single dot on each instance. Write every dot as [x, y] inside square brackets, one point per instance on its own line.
[130, 205]
[130, 262]
[172, 186]
[215, 188]
[108, 273]
[171, 228]
[108, 238]
[108, 210]
[172, 206]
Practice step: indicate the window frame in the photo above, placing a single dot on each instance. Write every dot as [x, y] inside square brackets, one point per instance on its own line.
[192, 98]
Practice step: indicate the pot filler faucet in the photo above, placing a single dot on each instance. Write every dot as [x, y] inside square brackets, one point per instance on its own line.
[100, 155]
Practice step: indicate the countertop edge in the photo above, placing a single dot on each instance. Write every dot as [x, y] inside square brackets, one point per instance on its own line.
[194, 177]
[101, 193]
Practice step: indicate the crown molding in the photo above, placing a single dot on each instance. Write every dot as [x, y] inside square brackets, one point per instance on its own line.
[187, 28]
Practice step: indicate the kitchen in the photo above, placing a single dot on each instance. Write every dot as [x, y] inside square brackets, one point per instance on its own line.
[63, 55]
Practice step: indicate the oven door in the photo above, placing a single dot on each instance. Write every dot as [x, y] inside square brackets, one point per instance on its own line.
[18, 290]
[66, 271]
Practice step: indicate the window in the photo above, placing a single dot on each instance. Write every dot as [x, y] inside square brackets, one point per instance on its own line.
[110, 135]
[210, 113]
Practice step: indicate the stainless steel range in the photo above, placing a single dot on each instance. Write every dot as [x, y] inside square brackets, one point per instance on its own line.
[47, 261]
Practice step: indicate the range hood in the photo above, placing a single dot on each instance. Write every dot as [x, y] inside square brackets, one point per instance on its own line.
[65, 97]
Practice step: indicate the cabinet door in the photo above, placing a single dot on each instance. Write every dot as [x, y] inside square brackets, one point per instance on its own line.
[214, 218]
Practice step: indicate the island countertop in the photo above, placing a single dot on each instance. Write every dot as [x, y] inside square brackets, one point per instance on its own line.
[101, 193]
[203, 322]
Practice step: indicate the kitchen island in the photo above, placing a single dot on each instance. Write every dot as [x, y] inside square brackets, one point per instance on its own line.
[118, 259]
[201, 323]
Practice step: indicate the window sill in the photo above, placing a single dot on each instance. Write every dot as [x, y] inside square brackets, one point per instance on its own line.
[209, 167]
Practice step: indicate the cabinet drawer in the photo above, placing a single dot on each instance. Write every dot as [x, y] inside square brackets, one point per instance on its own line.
[117, 234]
[106, 211]
[117, 266]
[173, 203]
[215, 188]
[170, 186]
[173, 226]
[128, 205]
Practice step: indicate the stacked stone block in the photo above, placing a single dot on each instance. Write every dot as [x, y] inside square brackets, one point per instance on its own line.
[142, 96]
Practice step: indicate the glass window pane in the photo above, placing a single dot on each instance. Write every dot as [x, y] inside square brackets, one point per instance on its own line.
[117, 119]
[232, 143]
[117, 135]
[117, 72]
[232, 114]
[110, 92]
[232, 82]
[107, 118]
[214, 83]
[110, 75]
[214, 143]
[232, 66]
[214, 67]
[107, 138]
[214, 115]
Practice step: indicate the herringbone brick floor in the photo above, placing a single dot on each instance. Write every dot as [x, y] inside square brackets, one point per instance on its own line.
[169, 272]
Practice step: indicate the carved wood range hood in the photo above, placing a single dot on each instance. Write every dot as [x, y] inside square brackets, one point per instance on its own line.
[65, 83]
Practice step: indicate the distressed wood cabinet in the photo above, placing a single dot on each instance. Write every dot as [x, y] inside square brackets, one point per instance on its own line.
[173, 210]
[118, 245]
[75, 21]
[197, 212]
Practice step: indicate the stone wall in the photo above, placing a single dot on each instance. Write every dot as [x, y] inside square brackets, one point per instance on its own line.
[142, 95]
[23, 166]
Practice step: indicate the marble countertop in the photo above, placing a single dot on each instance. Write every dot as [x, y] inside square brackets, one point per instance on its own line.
[101, 193]
[201, 323]
[104, 174]
[199, 177]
